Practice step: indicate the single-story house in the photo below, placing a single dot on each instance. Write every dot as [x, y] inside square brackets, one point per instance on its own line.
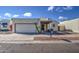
[4, 24]
[72, 25]
[32, 25]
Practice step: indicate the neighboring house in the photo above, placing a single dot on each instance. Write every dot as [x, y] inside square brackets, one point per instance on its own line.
[32, 25]
[4, 24]
[72, 25]
[61, 27]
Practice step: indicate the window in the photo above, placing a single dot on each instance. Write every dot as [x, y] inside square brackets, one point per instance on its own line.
[4, 24]
[53, 25]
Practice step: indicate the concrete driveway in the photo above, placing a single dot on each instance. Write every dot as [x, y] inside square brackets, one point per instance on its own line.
[15, 36]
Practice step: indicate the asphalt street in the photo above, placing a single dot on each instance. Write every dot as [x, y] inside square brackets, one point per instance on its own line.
[39, 47]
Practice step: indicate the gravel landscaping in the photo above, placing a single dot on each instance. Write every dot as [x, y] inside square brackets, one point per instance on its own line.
[58, 37]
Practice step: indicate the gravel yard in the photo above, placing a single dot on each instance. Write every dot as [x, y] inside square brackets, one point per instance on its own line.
[58, 37]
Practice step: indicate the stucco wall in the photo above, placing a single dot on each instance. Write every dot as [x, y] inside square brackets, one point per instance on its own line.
[54, 28]
[72, 25]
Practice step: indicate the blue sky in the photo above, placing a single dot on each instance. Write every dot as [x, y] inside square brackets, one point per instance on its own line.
[58, 13]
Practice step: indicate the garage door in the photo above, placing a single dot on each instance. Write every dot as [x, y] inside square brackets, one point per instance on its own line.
[25, 28]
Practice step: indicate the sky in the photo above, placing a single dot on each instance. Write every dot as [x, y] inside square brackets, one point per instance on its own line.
[58, 13]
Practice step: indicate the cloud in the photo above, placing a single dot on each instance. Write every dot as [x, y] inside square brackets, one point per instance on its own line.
[15, 16]
[28, 14]
[7, 14]
[68, 8]
[50, 8]
[59, 8]
[62, 18]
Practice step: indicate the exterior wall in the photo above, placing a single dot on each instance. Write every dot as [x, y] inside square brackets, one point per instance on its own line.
[55, 28]
[13, 27]
[50, 25]
[72, 25]
[61, 28]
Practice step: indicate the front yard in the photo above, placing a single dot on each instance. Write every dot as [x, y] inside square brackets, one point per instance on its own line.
[58, 37]
[42, 37]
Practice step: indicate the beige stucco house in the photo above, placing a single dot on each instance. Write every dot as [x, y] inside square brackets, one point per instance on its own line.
[72, 25]
[32, 25]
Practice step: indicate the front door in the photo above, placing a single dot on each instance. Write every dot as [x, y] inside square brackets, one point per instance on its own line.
[42, 27]
[58, 28]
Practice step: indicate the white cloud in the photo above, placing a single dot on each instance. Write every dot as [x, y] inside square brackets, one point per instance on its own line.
[59, 9]
[68, 8]
[7, 14]
[62, 18]
[50, 8]
[28, 14]
[15, 16]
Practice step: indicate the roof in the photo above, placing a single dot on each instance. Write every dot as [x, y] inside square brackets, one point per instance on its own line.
[32, 20]
[25, 19]
[77, 19]
[4, 20]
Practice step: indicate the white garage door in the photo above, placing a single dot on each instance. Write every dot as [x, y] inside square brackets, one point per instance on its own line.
[25, 28]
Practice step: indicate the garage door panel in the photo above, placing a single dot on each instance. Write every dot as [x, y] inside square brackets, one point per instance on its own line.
[25, 28]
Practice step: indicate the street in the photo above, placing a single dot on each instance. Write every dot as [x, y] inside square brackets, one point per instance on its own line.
[40, 47]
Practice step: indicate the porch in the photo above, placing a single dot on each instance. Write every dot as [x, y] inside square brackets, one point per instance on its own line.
[45, 25]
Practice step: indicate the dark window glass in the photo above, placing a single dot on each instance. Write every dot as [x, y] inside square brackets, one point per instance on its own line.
[4, 24]
[53, 25]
